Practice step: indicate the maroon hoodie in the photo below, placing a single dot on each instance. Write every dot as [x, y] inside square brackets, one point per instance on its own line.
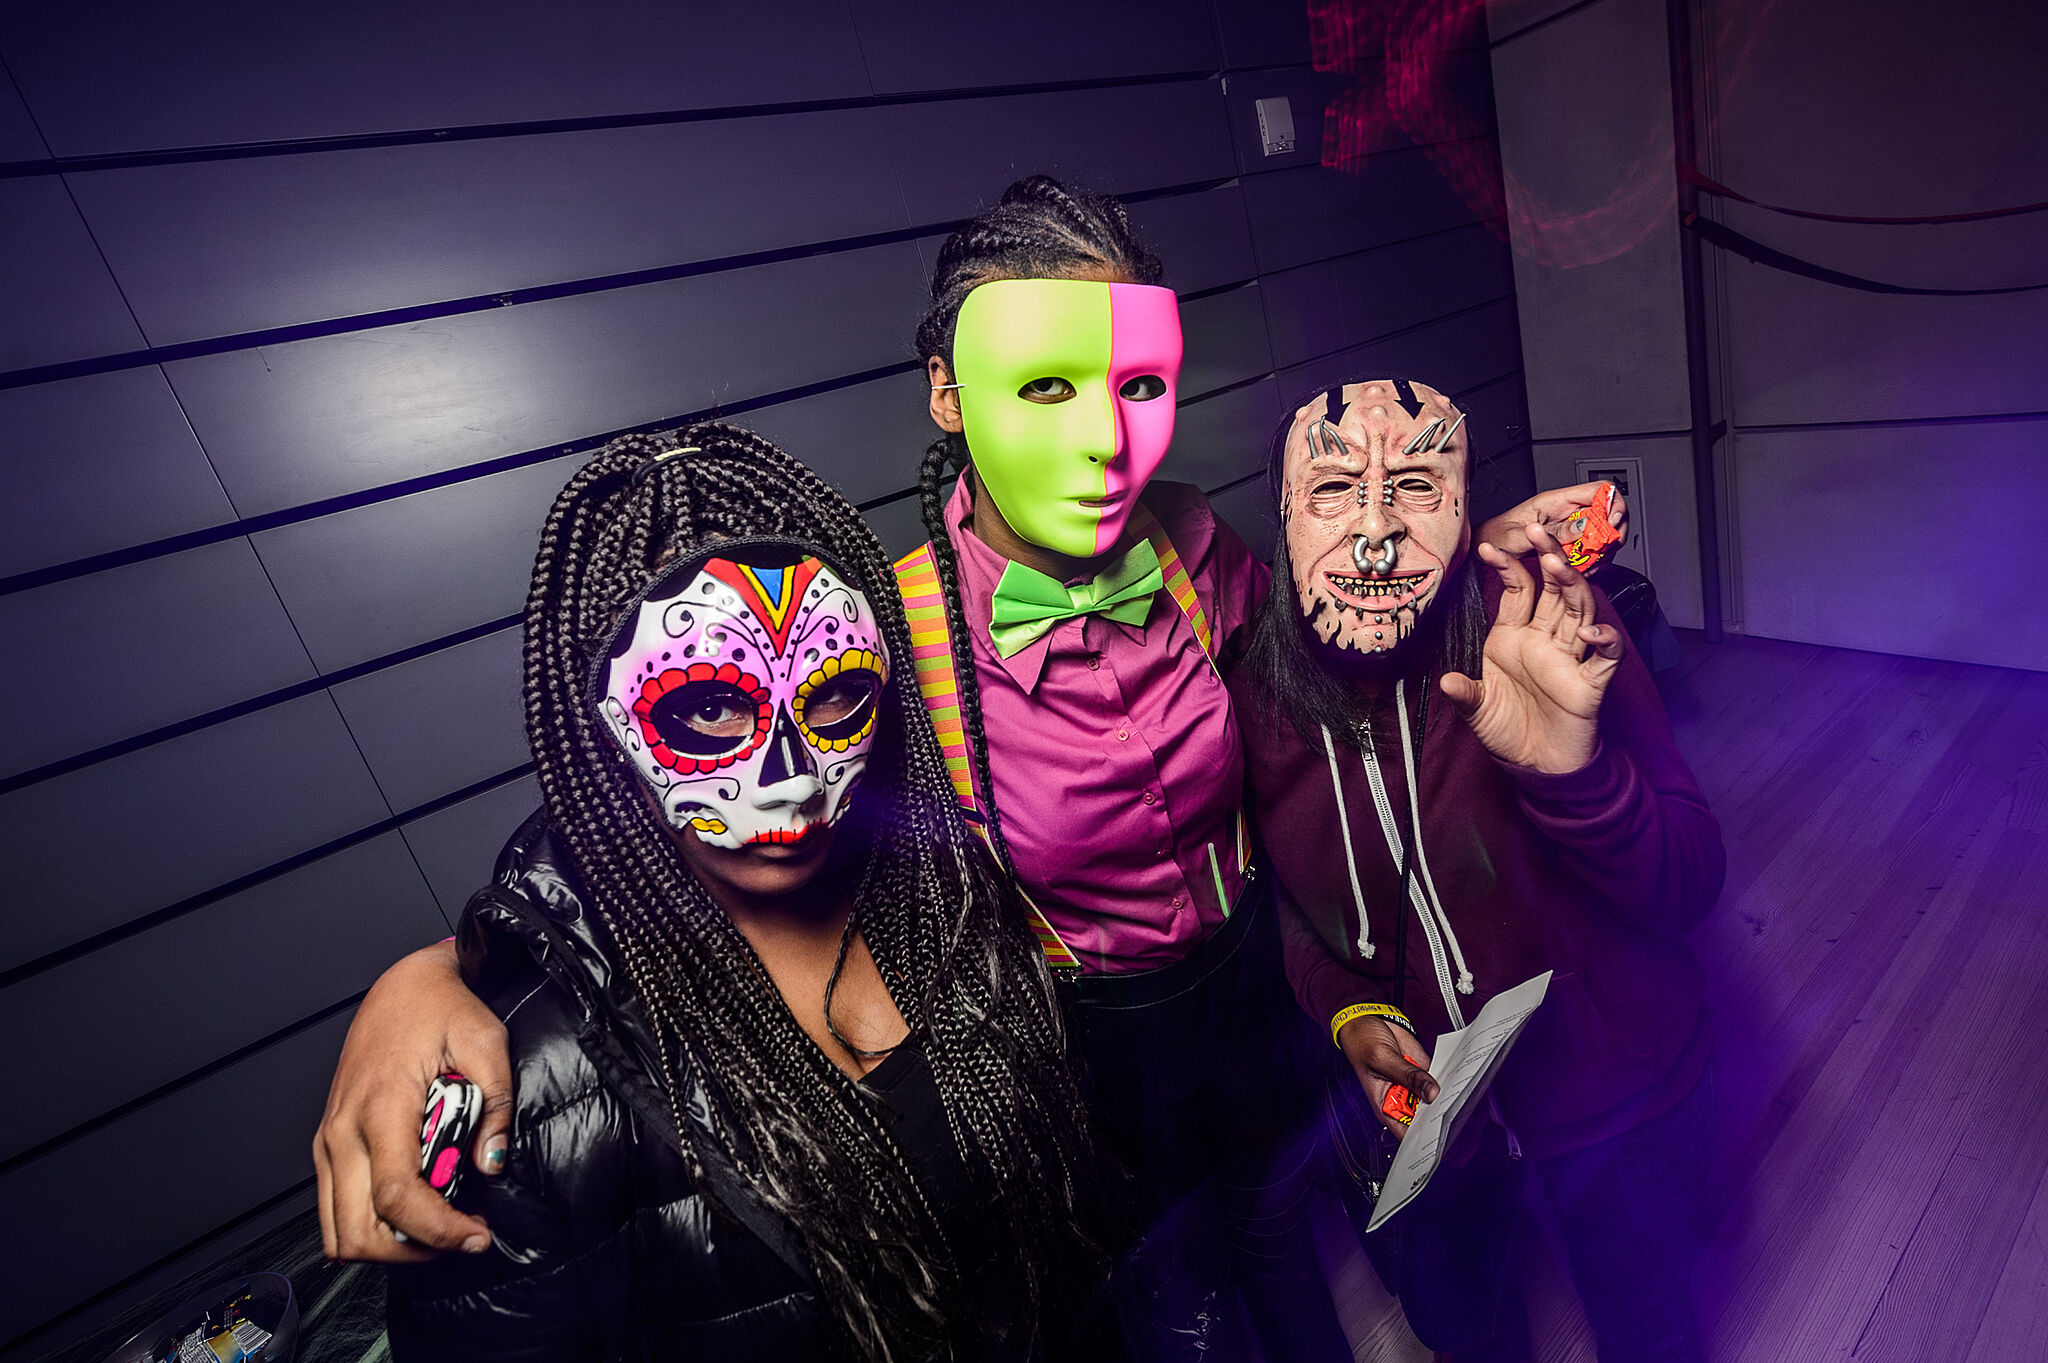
[1593, 875]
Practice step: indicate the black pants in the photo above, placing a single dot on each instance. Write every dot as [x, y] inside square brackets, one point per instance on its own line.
[1201, 1077]
[1628, 1211]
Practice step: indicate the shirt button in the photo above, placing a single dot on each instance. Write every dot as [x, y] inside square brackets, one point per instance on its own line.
[1176, 901]
[1159, 855]
[1150, 798]
[1122, 735]
[1094, 661]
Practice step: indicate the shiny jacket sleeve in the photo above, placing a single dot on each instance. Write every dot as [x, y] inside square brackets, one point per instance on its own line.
[528, 1296]
[522, 1299]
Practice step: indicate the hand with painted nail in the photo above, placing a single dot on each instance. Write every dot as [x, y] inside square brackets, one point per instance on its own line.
[1560, 512]
[1547, 665]
[1384, 1054]
[418, 1022]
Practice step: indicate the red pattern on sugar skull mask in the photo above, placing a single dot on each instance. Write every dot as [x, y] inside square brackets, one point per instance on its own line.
[745, 696]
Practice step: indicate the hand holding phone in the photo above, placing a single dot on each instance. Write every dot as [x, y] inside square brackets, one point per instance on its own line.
[454, 1106]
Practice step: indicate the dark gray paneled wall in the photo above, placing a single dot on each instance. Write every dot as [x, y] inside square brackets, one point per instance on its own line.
[1851, 416]
[1859, 416]
[1597, 282]
[304, 317]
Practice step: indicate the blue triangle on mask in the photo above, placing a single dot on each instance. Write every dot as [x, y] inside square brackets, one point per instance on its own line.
[771, 582]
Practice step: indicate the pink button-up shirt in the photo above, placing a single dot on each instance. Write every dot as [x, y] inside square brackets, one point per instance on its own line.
[1114, 754]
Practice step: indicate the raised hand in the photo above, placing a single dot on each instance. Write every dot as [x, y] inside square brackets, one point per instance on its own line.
[1548, 663]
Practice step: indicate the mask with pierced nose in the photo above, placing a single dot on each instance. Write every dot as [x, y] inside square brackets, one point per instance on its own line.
[1374, 508]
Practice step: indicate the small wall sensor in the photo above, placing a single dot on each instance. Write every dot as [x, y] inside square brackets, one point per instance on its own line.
[1276, 125]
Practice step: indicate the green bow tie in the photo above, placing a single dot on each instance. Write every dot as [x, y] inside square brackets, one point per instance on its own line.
[1028, 603]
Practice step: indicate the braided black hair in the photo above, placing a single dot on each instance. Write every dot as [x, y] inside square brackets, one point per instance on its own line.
[942, 923]
[1039, 229]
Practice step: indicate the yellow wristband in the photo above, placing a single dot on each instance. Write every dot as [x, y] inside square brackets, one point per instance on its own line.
[1368, 1010]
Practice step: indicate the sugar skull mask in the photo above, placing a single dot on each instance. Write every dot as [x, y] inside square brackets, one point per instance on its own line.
[1373, 506]
[1066, 395]
[743, 686]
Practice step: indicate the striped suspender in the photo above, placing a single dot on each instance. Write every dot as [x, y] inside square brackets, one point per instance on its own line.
[1177, 584]
[931, 656]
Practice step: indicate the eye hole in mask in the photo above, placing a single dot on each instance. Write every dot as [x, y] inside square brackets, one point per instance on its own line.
[709, 718]
[835, 706]
[1143, 388]
[1049, 389]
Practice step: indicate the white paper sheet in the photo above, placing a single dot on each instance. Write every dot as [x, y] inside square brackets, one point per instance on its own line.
[1463, 1064]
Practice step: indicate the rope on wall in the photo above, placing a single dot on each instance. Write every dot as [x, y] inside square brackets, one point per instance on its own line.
[1728, 239]
[1697, 178]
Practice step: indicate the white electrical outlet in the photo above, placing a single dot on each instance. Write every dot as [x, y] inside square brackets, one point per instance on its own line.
[1276, 124]
[1627, 475]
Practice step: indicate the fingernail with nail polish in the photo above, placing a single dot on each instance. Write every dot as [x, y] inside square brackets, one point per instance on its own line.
[494, 1156]
[474, 1244]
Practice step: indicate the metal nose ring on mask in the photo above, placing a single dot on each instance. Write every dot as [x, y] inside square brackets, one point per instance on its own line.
[1383, 557]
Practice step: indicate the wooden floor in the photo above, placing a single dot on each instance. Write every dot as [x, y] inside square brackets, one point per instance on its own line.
[1878, 970]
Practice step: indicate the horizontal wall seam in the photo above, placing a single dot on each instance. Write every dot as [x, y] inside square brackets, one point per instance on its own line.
[1888, 423]
[118, 558]
[1398, 333]
[475, 132]
[113, 1290]
[1544, 22]
[220, 715]
[484, 132]
[1464, 226]
[239, 709]
[507, 298]
[427, 482]
[142, 923]
[1610, 438]
[158, 548]
[165, 1090]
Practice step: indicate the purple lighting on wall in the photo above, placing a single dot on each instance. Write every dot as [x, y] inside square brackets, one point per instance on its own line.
[1399, 54]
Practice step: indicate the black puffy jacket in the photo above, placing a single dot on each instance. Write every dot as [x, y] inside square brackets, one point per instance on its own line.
[602, 1247]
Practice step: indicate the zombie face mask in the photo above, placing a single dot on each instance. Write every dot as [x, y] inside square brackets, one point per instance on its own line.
[1373, 505]
[745, 694]
[1066, 394]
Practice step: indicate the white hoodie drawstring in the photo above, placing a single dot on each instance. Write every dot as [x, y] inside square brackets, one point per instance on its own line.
[1366, 949]
[1421, 854]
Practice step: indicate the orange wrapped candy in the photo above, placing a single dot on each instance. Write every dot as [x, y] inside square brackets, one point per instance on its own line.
[1596, 533]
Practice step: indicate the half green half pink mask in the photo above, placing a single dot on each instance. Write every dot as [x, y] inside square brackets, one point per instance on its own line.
[1067, 390]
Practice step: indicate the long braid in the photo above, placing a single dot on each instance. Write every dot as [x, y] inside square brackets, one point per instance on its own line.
[1039, 229]
[931, 475]
[939, 919]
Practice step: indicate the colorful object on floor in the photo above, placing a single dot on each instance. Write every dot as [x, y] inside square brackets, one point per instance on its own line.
[1594, 534]
[1067, 391]
[227, 1333]
[743, 687]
